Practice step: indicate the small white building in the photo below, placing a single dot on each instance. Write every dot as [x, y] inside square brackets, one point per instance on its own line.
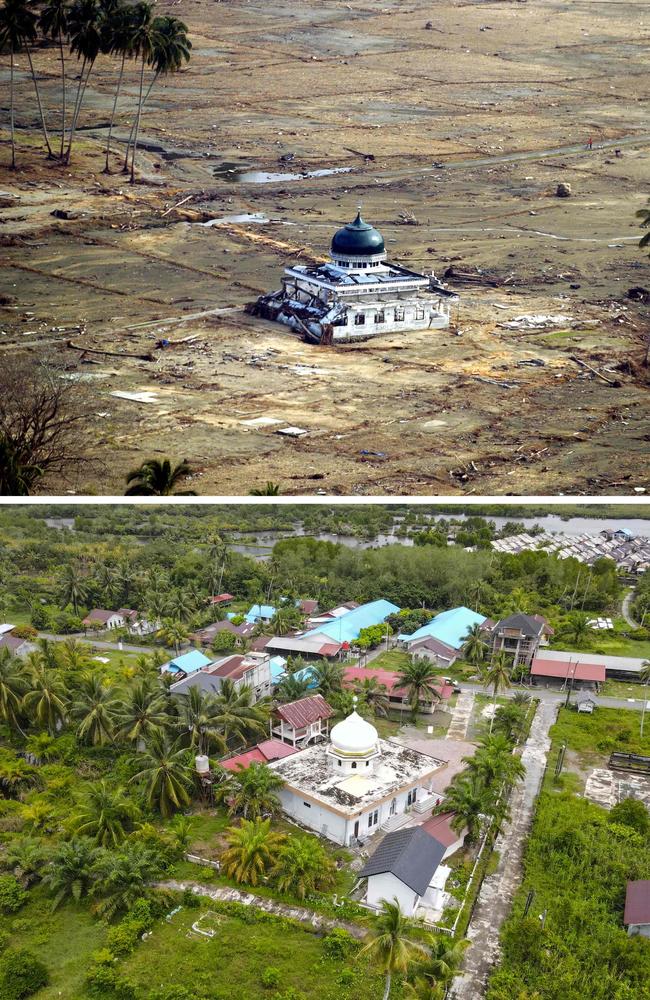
[358, 295]
[100, 618]
[407, 867]
[586, 701]
[355, 784]
[137, 624]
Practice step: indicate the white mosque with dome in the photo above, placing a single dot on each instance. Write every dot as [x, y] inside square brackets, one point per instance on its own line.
[357, 294]
[354, 783]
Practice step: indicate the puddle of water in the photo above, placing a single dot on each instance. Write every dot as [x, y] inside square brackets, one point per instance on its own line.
[236, 174]
[258, 217]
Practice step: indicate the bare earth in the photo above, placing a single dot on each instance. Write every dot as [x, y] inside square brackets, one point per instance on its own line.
[407, 414]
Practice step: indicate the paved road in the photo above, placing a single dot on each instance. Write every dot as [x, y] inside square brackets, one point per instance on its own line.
[550, 696]
[498, 890]
[98, 643]
[625, 609]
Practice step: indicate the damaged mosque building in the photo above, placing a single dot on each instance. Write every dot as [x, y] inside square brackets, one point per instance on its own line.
[356, 295]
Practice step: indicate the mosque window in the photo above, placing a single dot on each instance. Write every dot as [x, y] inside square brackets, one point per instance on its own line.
[419, 312]
[360, 319]
[399, 314]
[380, 316]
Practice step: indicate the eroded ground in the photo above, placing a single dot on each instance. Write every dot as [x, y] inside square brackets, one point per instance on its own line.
[408, 414]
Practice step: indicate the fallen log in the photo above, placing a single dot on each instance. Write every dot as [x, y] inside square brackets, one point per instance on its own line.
[110, 354]
[583, 364]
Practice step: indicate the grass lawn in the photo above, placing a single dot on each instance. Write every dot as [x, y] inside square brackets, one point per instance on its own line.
[608, 645]
[64, 940]
[230, 965]
[392, 659]
[624, 689]
[595, 736]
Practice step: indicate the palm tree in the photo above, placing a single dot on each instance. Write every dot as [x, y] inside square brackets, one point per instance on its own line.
[466, 798]
[25, 21]
[374, 694]
[577, 627]
[106, 814]
[268, 490]
[421, 682]
[199, 716]
[251, 848]
[445, 957]
[167, 776]
[12, 688]
[644, 215]
[72, 655]
[424, 988]
[218, 558]
[53, 22]
[16, 776]
[389, 944]
[292, 688]
[180, 605]
[173, 633]
[46, 702]
[252, 791]
[69, 875]
[303, 867]
[11, 40]
[285, 620]
[474, 645]
[494, 762]
[143, 39]
[498, 678]
[123, 878]
[238, 718]
[158, 479]
[181, 827]
[94, 707]
[74, 587]
[85, 19]
[328, 677]
[24, 858]
[141, 713]
[119, 42]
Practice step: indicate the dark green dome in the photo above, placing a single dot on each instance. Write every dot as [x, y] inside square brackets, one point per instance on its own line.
[357, 239]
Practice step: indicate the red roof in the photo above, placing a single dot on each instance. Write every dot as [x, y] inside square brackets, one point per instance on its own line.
[308, 606]
[439, 828]
[388, 677]
[101, 615]
[243, 760]
[299, 714]
[637, 902]
[221, 599]
[568, 669]
[275, 749]
[263, 753]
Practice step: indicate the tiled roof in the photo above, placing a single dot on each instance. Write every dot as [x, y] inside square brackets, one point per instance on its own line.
[439, 827]
[100, 615]
[262, 753]
[436, 646]
[299, 714]
[567, 669]
[353, 675]
[220, 599]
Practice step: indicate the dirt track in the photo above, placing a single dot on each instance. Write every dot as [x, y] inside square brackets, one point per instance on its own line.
[406, 414]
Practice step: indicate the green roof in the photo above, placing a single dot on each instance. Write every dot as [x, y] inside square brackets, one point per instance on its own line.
[357, 239]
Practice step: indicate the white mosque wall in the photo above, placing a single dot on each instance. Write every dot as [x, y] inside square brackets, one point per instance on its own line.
[328, 824]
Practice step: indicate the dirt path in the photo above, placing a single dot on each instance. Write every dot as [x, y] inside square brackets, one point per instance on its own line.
[497, 891]
[625, 609]
[300, 913]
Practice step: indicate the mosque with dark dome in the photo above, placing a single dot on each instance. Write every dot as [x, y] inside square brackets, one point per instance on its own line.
[357, 294]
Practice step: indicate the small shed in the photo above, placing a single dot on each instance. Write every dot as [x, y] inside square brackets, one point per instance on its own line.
[637, 908]
[586, 701]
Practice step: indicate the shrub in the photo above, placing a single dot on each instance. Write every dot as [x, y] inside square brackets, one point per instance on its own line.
[191, 900]
[103, 981]
[21, 974]
[632, 813]
[25, 632]
[346, 978]
[39, 617]
[338, 943]
[12, 894]
[271, 977]
[123, 938]
[172, 993]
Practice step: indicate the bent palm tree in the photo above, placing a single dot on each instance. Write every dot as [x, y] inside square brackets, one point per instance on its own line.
[53, 22]
[389, 943]
[158, 479]
[252, 847]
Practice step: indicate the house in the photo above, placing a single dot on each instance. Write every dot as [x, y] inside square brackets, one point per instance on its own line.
[397, 696]
[251, 670]
[263, 753]
[260, 613]
[439, 653]
[104, 619]
[206, 636]
[186, 663]
[568, 671]
[520, 636]
[15, 645]
[404, 867]
[440, 828]
[300, 722]
[448, 627]
[308, 607]
[586, 701]
[637, 908]
[318, 647]
[221, 600]
[136, 624]
[349, 787]
[346, 626]
[357, 294]
[620, 667]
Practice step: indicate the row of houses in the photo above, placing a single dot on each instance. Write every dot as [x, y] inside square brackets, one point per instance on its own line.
[630, 553]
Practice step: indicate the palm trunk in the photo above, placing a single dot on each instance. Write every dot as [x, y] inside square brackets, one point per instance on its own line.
[110, 129]
[137, 124]
[62, 95]
[387, 986]
[74, 110]
[80, 98]
[50, 154]
[11, 99]
[495, 707]
[125, 166]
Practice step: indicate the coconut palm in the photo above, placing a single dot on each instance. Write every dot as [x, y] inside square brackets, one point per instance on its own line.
[293, 688]
[26, 21]
[445, 957]
[166, 773]
[467, 798]
[94, 708]
[268, 490]
[141, 713]
[158, 479]
[238, 718]
[180, 605]
[251, 848]
[74, 586]
[11, 41]
[53, 22]
[421, 682]
[218, 559]
[173, 633]
[13, 686]
[389, 944]
[374, 694]
[69, 875]
[328, 677]
[199, 716]
[72, 655]
[474, 645]
[85, 20]
[143, 39]
[46, 702]
[105, 814]
[303, 867]
[122, 878]
[424, 988]
[119, 42]
[498, 678]
[251, 792]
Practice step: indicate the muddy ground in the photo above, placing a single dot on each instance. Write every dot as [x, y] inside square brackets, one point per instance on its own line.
[408, 414]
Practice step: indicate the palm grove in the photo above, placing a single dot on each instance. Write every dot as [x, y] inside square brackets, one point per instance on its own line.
[83, 32]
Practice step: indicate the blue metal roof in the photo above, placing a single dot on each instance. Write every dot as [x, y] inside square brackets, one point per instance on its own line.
[277, 665]
[264, 611]
[449, 626]
[346, 628]
[189, 663]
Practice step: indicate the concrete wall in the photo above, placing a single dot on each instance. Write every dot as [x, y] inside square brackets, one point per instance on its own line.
[316, 817]
[642, 929]
[388, 887]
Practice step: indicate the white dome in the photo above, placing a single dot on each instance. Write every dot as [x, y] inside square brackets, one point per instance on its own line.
[354, 736]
